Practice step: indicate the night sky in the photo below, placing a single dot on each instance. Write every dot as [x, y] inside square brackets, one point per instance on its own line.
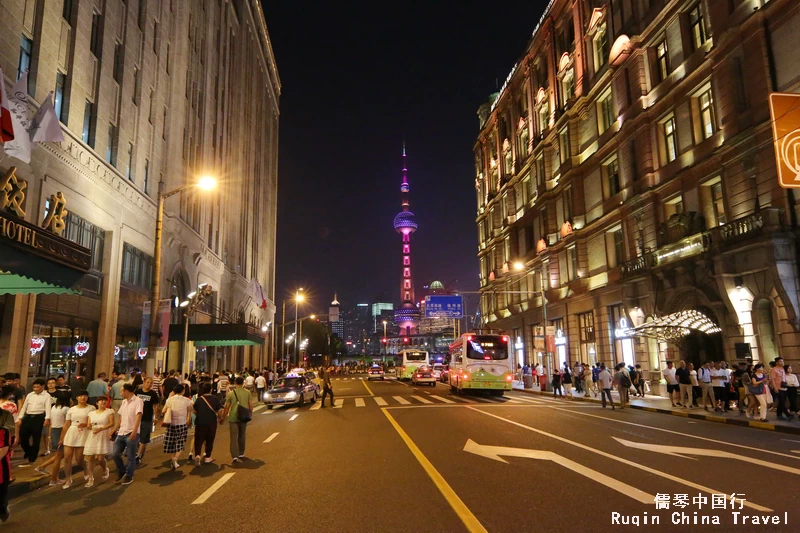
[358, 78]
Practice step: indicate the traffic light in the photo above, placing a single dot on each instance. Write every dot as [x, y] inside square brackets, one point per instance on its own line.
[406, 341]
[384, 340]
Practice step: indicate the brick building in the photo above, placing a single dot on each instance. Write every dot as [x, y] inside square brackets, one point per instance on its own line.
[625, 174]
[147, 91]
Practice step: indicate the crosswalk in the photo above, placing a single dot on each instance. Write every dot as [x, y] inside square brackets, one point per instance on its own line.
[420, 400]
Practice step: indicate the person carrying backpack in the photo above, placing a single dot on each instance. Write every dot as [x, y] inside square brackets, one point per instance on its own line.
[623, 381]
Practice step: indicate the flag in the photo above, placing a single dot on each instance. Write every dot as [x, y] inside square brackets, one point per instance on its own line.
[46, 127]
[6, 127]
[258, 293]
[20, 147]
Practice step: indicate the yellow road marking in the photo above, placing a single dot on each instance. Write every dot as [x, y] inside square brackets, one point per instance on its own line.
[470, 520]
[367, 386]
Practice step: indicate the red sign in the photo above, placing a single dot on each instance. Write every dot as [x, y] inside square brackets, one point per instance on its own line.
[784, 110]
[36, 345]
[81, 348]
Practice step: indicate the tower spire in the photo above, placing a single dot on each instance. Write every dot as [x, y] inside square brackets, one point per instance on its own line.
[407, 315]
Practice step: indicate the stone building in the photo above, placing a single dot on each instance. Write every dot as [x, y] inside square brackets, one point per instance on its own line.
[626, 177]
[148, 92]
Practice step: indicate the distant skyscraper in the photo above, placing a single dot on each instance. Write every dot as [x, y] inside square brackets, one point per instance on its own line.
[335, 321]
[407, 315]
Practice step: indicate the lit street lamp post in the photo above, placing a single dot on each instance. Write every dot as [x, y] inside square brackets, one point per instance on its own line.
[298, 297]
[206, 184]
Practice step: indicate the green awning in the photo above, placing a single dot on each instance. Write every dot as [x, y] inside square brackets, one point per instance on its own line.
[219, 334]
[15, 284]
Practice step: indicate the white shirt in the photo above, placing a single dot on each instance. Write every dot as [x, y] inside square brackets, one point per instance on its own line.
[178, 406]
[249, 381]
[58, 415]
[669, 375]
[693, 377]
[718, 377]
[37, 404]
[604, 379]
[792, 381]
[704, 375]
[127, 414]
[261, 382]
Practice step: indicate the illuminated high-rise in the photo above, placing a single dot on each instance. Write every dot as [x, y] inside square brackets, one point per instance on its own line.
[407, 315]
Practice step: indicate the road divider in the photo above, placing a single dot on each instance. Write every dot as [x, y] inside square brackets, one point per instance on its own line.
[214, 488]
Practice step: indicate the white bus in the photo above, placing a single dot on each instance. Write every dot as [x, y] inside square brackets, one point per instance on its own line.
[412, 360]
[481, 362]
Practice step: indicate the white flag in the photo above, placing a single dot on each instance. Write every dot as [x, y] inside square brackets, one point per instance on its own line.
[46, 126]
[20, 147]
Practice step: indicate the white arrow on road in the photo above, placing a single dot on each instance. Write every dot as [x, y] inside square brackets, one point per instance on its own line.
[680, 451]
[494, 452]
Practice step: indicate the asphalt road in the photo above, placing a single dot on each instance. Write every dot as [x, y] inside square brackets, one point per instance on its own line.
[393, 457]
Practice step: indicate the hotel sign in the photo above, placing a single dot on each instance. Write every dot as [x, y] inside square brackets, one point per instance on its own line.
[20, 234]
[784, 110]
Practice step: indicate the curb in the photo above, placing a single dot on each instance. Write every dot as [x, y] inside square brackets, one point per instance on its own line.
[792, 430]
[20, 488]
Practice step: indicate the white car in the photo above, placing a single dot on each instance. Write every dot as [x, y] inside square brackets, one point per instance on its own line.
[423, 374]
[375, 372]
[437, 371]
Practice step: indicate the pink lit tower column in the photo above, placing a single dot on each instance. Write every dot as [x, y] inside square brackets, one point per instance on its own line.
[407, 315]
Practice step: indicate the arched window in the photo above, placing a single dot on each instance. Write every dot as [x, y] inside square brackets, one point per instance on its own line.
[765, 330]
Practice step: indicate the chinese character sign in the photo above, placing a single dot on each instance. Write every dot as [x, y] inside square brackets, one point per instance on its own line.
[444, 307]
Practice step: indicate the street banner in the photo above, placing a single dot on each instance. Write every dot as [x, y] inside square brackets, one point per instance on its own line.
[444, 307]
[164, 311]
[784, 110]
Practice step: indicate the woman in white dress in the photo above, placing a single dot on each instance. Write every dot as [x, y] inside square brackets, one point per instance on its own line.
[98, 443]
[74, 434]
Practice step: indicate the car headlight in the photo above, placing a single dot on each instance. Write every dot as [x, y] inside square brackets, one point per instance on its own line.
[291, 394]
[267, 396]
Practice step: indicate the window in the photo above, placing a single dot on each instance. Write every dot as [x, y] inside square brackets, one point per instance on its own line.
[66, 11]
[137, 267]
[544, 117]
[94, 42]
[519, 196]
[586, 338]
[563, 144]
[25, 53]
[82, 232]
[527, 191]
[611, 171]
[567, 207]
[615, 246]
[507, 249]
[111, 149]
[713, 202]
[130, 162]
[156, 37]
[572, 263]
[169, 47]
[58, 102]
[567, 87]
[88, 124]
[147, 176]
[673, 206]
[137, 86]
[600, 47]
[605, 112]
[142, 14]
[164, 125]
[543, 223]
[698, 26]
[118, 62]
[662, 60]
[706, 104]
[670, 139]
[540, 170]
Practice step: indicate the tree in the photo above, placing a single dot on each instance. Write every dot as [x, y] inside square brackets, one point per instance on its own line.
[337, 346]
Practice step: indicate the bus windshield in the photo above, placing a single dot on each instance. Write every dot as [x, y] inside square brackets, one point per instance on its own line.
[415, 356]
[487, 347]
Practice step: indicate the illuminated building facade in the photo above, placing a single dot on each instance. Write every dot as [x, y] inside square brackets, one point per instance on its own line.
[407, 315]
[626, 175]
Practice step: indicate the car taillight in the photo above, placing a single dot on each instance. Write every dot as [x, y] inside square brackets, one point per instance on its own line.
[464, 376]
[509, 377]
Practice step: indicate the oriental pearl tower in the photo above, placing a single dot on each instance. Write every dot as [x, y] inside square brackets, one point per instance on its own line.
[407, 315]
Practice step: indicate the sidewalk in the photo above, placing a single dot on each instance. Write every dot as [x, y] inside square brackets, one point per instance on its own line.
[660, 404]
[28, 480]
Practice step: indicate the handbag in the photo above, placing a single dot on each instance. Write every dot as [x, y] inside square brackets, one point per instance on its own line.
[242, 413]
[167, 420]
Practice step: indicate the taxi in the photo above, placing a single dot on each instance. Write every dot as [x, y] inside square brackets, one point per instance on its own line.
[375, 372]
[291, 389]
[313, 377]
[423, 374]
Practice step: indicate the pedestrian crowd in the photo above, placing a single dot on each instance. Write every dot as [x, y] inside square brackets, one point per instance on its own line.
[115, 419]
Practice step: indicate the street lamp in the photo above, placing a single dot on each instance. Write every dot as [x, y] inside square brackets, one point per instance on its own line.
[205, 183]
[298, 297]
[196, 298]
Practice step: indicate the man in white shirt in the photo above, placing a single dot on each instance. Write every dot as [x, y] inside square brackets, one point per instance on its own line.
[718, 378]
[129, 419]
[604, 383]
[673, 387]
[706, 389]
[33, 418]
[261, 384]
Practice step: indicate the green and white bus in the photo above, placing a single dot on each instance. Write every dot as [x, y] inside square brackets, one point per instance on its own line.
[481, 362]
[411, 361]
